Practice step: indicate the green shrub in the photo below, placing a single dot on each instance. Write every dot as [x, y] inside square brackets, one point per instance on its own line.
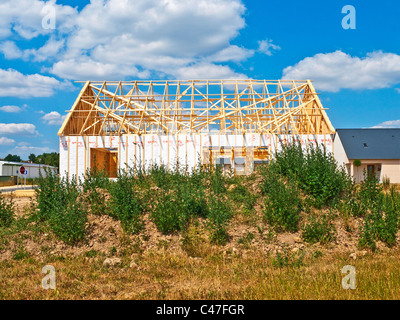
[168, 214]
[126, 205]
[318, 229]
[351, 204]
[93, 186]
[59, 204]
[241, 195]
[219, 216]
[382, 222]
[6, 211]
[283, 203]
[315, 171]
[182, 197]
[369, 192]
[69, 224]
[217, 181]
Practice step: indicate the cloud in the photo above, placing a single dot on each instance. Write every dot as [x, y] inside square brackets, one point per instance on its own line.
[231, 53]
[15, 84]
[206, 71]
[388, 124]
[23, 18]
[10, 50]
[86, 68]
[18, 129]
[152, 37]
[267, 47]
[338, 70]
[50, 49]
[53, 118]
[11, 109]
[6, 141]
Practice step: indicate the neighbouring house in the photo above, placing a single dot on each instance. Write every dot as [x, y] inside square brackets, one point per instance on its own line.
[9, 171]
[373, 151]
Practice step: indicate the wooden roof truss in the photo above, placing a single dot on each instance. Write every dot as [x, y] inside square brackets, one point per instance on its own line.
[197, 106]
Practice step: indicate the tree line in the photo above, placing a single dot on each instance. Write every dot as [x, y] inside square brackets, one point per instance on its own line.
[51, 159]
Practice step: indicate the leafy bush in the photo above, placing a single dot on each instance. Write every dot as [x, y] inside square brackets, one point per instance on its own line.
[283, 204]
[168, 215]
[314, 170]
[369, 192]
[351, 204]
[219, 216]
[217, 181]
[241, 194]
[93, 186]
[318, 229]
[382, 223]
[59, 205]
[125, 204]
[6, 211]
[69, 224]
[183, 199]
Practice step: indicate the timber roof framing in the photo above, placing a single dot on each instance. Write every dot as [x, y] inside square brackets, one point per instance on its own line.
[197, 106]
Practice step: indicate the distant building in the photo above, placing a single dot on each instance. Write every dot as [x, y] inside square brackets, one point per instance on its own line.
[8, 169]
[377, 151]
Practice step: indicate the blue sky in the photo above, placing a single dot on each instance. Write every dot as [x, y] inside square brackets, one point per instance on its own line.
[46, 45]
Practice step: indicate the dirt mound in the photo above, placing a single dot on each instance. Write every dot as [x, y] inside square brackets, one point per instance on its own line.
[246, 234]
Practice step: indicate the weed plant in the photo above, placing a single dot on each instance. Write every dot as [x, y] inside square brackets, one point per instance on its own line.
[126, 204]
[283, 202]
[318, 229]
[6, 211]
[59, 205]
[314, 170]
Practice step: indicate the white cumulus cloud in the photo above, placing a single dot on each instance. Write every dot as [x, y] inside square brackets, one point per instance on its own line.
[18, 129]
[6, 141]
[15, 84]
[388, 124]
[338, 70]
[11, 109]
[53, 118]
[24, 18]
[267, 47]
[164, 38]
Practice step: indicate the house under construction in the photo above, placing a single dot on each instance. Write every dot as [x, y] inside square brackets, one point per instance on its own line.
[232, 123]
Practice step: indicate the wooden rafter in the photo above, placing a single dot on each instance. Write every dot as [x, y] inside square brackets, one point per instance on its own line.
[197, 106]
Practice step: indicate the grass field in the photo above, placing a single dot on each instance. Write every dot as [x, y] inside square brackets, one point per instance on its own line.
[165, 275]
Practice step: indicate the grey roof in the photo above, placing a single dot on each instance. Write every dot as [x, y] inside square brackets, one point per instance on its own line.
[25, 164]
[370, 143]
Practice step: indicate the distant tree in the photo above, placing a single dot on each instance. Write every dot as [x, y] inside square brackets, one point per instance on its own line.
[13, 158]
[32, 157]
[51, 159]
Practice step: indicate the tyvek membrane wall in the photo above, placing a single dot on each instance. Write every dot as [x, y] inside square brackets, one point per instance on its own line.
[149, 150]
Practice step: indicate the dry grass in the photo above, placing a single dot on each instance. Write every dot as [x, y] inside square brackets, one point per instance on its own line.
[164, 275]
